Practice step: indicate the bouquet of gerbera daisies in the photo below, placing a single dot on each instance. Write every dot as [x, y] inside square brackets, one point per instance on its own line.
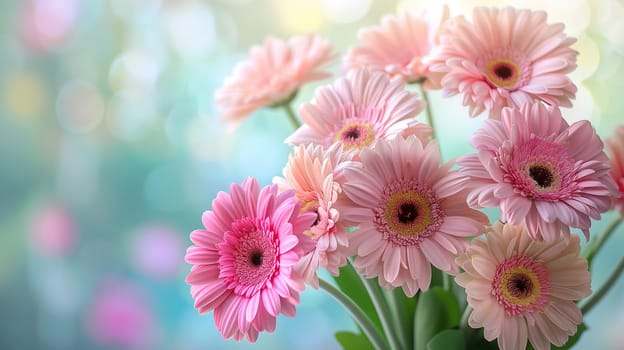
[365, 195]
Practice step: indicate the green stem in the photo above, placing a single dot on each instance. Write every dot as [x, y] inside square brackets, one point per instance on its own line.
[402, 327]
[428, 112]
[358, 315]
[446, 281]
[604, 289]
[291, 115]
[383, 311]
[463, 322]
[595, 246]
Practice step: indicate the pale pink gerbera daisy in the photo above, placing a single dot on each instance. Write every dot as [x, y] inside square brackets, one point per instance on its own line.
[410, 211]
[615, 146]
[398, 45]
[523, 289]
[540, 170]
[272, 75]
[313, 172]
[506, 57]
[359, 109]
[243, 261]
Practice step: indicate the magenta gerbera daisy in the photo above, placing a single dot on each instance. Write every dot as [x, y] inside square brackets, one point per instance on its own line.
[505, 57]
[357, 110]
[313, 172]
[272, 74]
[615, 146]
[243, 260]
[521, 289]
[540, 170]
[410, 213]
[398, 45]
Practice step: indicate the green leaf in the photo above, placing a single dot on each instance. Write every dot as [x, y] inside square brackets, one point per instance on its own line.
[350, 283]
[474, 340]
[573, 339]
[437, 277]
[404, 308]
[447, 339]
[460, 295]
[437, 310]
[353, 341]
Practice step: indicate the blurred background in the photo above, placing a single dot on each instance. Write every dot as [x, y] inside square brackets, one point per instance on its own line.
[110, 149]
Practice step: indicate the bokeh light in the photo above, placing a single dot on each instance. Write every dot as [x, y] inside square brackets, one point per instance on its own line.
[346, 11]
[158, 251]
[119, 315]
[53, 230]
[135, 69]
[589, 61]
[44, 24]
[24, 95]
[77, 169]
[298, 16]
[131, 114]
[191, 29]
[201, 132]
[79, 106]
[111, 148]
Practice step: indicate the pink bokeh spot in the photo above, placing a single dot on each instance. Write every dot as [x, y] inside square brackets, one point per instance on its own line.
[45, 24]
[158, 251]
[120, 316]
[53, 231]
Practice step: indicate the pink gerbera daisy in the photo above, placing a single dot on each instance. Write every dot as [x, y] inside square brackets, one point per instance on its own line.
[523, 289]
[272, 75]
[506, 57]
[540, 170]
[410, 212]
[243, 260]
[615, 146]
[357, 110]
[398, 45]
[313, 172]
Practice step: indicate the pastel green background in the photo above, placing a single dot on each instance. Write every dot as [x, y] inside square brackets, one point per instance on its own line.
[109, 137]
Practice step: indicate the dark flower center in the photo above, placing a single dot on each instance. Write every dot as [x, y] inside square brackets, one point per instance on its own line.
[408, 212]
[503, 71]
[318, 218]
[355, 134]
[255, 258]
[352, 134]
[520, 285]
[541, 175]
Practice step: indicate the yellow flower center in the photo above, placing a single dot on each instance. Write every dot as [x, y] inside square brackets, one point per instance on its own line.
[309, 204]
[407, 213]
[503, 72]
[520, 286]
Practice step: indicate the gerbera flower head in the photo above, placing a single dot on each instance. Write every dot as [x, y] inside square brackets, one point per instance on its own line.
[615, 146]
[398, 45]
[273, 74]
[523, 289]
[505, 57]
[243, 260]
[410, 213]
[357, 110]
[313, 172]
[540, 171]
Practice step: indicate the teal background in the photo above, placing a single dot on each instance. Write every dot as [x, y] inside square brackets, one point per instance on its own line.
[110, 149]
